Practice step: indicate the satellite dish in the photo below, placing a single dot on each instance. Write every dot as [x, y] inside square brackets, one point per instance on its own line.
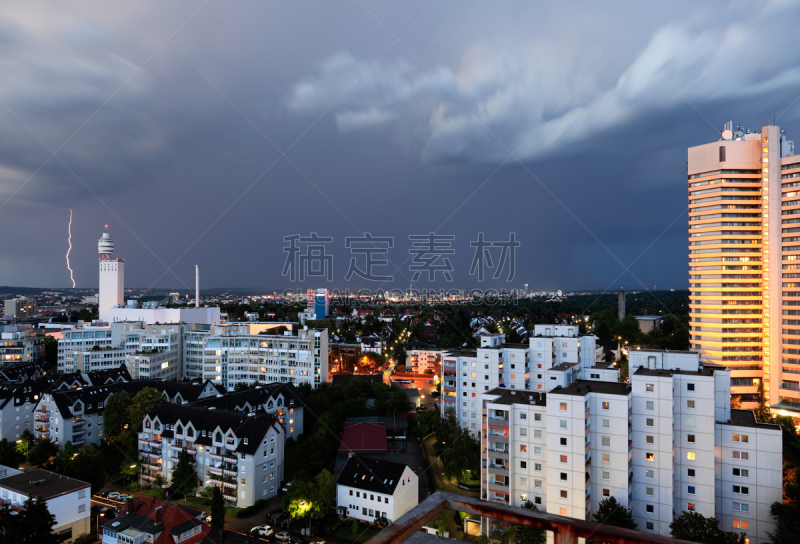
[727, 134]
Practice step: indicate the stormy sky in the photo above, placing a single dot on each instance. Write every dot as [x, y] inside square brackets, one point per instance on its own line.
[206, 132]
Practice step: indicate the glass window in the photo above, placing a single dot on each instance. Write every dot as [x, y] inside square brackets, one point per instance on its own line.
[563, 458]
[605, 405]
[649, 422]
[563, 406]
[649, 474]
[690, 455]
[563, 441]
[690, 507]
[606, 492]
[606, 423]
[649, 387]
[648, 525]
[606, 458]
[649, 457]
[690, 421]
[690, 438]
[690, 473]
[649, 508]
[606, 440]
[564, 476]
[690, 387]
[649, 439]
[650, 405]
[523, 464]
[606, 475]
[649, 491]
[537, 450]
[537, 417]
[564, 494]
[690, 490]
[690, 404]
[562, 423]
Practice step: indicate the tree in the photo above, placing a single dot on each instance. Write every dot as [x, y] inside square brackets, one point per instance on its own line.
[9, 456]
[25, 442]
[87, 465]
[217, 509]
[528, 535]
[123, 414]
[698, 528]
[42, 451]
[426, 422]
[130, 472]
[33, 526]
[184, 477]
[610, 512]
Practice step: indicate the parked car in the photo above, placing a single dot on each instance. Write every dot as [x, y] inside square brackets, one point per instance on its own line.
[283, 536]
[104, 494]
[261, 530]
[435, 394]
[99, 509]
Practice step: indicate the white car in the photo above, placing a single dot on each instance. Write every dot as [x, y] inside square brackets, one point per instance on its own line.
[261, 530]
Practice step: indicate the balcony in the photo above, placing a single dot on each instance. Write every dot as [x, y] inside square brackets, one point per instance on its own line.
[78, 421]
[40, 417]
[497, 422]
[78, 443]
[499, 470]
[231, 458]
[229, 483]
[228, 472]
[78, 432]
[215, 456]
[227, 497]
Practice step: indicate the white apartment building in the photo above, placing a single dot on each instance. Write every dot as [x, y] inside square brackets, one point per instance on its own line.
[667, 442]
[367, 489]
[424, 360]
[231, 358]
[554, 356]
[20, 343]
[68, 500]
[242, 454]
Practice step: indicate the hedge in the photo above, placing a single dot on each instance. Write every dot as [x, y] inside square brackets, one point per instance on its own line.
[250, 510]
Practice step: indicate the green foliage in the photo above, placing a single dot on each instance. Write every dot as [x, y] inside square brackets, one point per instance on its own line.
[311, 502]
[610, 512]
[208, 493]
[458, 450]
[123, 414]
[184, 477]
[698, 528]
[87, 465]
[217, 508]
[32, 526]
[252, 509]
[426, 422]
[130, 472]
[41, 451]
[529, 535]
[9, 456]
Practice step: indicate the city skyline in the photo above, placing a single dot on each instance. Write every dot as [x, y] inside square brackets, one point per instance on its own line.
[398, 121]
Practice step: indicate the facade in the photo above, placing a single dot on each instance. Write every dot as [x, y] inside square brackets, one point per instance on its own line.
[111, 292]
[369, 488]
[21, 344]
[67, 499]
[157, 314]
[242, 454]
[425, 360]
[741, 308]
[232, 358]
[19, 308]
[554, 355]
[665, 443]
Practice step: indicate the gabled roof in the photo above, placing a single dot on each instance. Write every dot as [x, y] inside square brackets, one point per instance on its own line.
[253, 429]
[151, 516]
[251, 400]
[363, 438]
[376, 475]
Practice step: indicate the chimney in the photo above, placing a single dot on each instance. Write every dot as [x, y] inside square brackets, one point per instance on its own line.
[159, 512]
[197, 286]
[128, 506]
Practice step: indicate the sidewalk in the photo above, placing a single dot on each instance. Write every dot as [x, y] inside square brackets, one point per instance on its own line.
[441, 481]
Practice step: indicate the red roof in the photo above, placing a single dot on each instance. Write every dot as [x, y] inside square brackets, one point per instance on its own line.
[169, 514]
[364, 438]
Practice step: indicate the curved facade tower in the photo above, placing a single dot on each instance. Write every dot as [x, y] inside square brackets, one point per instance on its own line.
[111, 291]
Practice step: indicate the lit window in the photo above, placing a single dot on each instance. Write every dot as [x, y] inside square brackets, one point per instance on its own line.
[741, 524]
[649, 387]
[563, 458]
[523, 448]
[606, 458]
[690, 455]
[650, 457]
[605, 405]
[563, 511]
[563, 407]
[690, 507]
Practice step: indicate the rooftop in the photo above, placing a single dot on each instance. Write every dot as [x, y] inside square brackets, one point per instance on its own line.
[512, 396]
[562, 366]
[375, 475]
[42, 483]
[363, 437]
[582, 387]
[642, 371]
[741, 418]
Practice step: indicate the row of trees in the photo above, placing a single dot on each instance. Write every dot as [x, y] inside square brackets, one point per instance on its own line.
[34, 525]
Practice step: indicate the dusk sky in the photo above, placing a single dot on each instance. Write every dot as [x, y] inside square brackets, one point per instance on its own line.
[206, 132]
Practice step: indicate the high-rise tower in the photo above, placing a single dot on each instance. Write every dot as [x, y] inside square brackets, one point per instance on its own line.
[742, 207]
[112, 277]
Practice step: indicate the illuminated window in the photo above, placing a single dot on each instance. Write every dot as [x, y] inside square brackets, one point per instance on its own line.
[691, 507]
[605, 405]
[563, 511]
[690, 455]
[563, 406]
[650, 457]
[741, 524]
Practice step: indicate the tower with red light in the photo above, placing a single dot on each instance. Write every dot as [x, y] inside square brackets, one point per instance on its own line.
[111, 291]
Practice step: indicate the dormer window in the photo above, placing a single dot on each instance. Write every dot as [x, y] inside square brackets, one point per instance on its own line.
[245, 441]
[280, 402]
[179, 429]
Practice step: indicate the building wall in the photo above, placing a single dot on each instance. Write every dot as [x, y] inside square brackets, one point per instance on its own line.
[392, 505]
[111, 290]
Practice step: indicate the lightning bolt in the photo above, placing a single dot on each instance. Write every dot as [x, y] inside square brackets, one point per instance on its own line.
[69, 229]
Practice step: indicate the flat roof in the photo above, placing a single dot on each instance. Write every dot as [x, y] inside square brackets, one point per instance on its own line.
[747, 418]
[42, 483]
[582, 387]
[563, 366]
[514, 396]
[642, 371]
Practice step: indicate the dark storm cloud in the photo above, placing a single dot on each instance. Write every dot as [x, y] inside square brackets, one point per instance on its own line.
[175, 145]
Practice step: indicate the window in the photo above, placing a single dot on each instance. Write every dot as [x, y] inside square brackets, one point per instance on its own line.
[563, 406]
[82, 494]
[563, 441]
[606, 492]
[649, 491]
[743, 455]
[606, 475]
[649, 439]
[606, 423]
[741, 524]
[648, 525]
[523, 464]
[537, 417]
[690, 421]
[649, 457]
[537, 433]
[562, 423]
[648, 387]
[537, 467]
[523, 431]
[523, 482]
[649, 405]
[649, 474]
[690, 473]
[564, 476]
[722, 153]
[690, 404]
[523, 416]
[563, 511]
[690, 387]
[563, 459]
[537, 484]
[537, 450]
[81, 508]
[605, 405]
[741, 490]
[741, 438]
[690, 490]
[649, 508]
[606, 458]
[690, 438]
[649, 422]
[606, 441]
[690, 507]
[690, 455]
[563, 493]
[523, 448]
[741, 472]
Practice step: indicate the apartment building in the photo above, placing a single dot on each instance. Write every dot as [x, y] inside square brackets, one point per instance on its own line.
[277, 399]
[232, 358]
[665, 443]
[555, 355]
[21, 344]
[76, 415]
[424, 359]
[242, 454]
[743, 295]
[19, 308]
